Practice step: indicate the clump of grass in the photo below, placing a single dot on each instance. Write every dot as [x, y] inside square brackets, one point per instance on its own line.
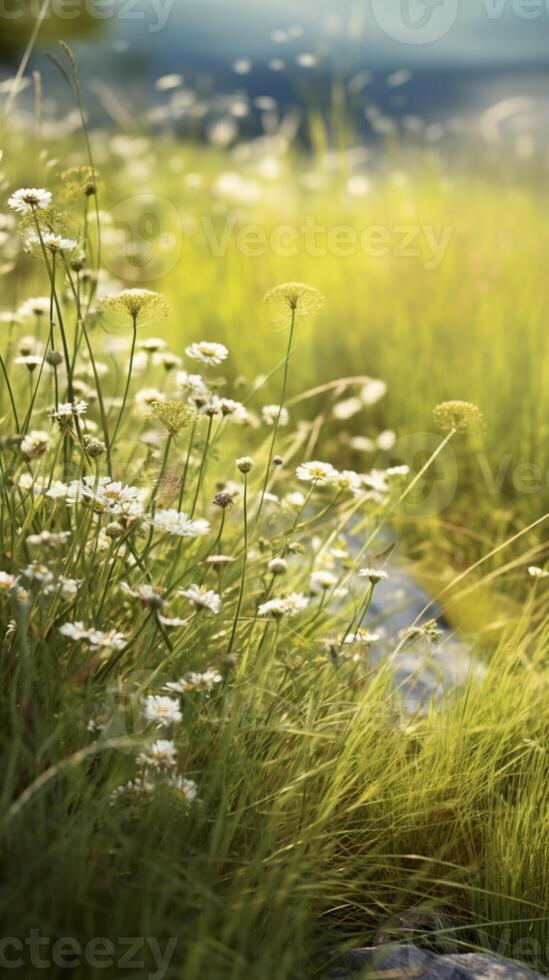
[200, 742]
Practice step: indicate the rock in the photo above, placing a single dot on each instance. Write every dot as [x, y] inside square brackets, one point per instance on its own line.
[422, 671]
[411, 963]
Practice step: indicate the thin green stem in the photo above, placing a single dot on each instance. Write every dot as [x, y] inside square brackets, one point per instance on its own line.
[244, 566]
[278, 417]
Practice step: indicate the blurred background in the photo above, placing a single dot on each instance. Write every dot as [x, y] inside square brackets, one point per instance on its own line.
[421, 124]
[472, 68]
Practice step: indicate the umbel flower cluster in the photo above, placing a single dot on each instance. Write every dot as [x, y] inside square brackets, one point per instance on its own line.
[160, 533]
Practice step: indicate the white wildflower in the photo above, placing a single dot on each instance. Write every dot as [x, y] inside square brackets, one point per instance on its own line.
[28, 199]
[174, 522]
[346, 409]
[35, 444]
[162, 754]
[163, 710]
[202, 598]
[7, 582]
[196, 682]
[374, 575]
[207, 352]
[362, 636]
[287, 606]
[269, 414]
[322, 580]
[317, 473]
[38, 306]
[373, 391]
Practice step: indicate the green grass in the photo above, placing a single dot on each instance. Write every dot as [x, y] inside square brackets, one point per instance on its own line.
[324, 813]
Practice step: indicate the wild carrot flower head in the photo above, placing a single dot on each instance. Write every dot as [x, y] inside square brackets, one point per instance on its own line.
[172, 415]
[29, 199]
[135, 302]
[290, 298]
[457, 416]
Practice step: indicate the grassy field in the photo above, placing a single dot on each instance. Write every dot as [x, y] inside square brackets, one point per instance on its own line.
[293, 806]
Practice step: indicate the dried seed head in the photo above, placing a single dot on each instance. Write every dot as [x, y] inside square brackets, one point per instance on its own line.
[134, 302]
[292, 297]
[223, 499]
[94, 447]
[172, 415]
[457, 416]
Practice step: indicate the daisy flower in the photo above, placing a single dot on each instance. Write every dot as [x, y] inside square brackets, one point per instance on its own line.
[162, 710]
[28, 199]
[35, 444]
[269, 414]
[162, 754]
[207, 352]
[38, 306]
[55, 243]
[317, 473]
[68, 411]
[362, 636]
[375, 575]
[196, 682]
[187, 788]
[202, 598]
[7, 582]
[288, 606]
[173, 522]
[322, 580]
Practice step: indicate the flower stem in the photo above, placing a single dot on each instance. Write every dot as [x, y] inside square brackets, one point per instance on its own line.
[244, 565]
[279, 415]
[128, 380]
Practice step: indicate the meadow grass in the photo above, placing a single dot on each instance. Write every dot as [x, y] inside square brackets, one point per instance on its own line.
[281, 802]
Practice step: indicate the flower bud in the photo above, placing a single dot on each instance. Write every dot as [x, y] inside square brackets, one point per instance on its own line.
[245, 464]
[54, 358]
[278, 566]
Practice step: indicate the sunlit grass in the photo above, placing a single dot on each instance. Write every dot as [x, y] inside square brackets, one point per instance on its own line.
[303, 808]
